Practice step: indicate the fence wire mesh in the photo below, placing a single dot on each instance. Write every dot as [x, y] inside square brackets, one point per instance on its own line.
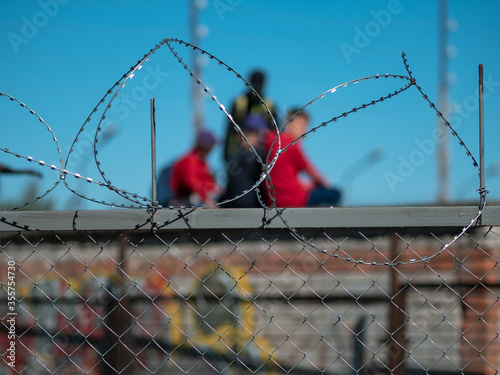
[250, 301]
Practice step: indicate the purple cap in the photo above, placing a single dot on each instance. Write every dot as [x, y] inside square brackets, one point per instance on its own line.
[254, 123]
[205, 139]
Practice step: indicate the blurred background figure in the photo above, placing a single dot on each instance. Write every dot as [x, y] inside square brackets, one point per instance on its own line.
[6, 170]
[31, 190]
[191, 181]
[245, 105]
[243, 167]
[287, 186]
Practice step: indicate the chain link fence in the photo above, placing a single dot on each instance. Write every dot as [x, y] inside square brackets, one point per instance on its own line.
[233, 298]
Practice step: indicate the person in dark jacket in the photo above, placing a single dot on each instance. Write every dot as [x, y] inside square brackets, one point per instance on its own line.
[248, 104]
[243, 167]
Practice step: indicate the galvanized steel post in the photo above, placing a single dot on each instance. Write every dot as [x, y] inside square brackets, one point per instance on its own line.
[153, 164]
[482, 186]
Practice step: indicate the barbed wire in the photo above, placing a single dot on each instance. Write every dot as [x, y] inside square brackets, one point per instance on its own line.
[29, 158]
[129, 75]
[267, 165]
[482, 190]
[135, 198]
[333, 119]
[439, 114]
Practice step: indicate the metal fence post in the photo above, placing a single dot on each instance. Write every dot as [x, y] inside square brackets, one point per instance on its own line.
[482, 186]
[153, 164]
[119, 335]
[397, 318]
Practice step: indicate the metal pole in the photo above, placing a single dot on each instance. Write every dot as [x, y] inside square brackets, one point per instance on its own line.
[196, 93]
[443, 154]
[153, 152]
[481, 140]
[397, 318]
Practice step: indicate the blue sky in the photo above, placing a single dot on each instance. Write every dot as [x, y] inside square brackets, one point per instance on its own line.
[60, 57]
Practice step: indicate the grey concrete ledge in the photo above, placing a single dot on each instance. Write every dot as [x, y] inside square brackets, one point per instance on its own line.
[171, 219]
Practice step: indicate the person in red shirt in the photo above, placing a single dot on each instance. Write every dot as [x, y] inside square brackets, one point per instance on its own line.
[286, 188]
[192, 181]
